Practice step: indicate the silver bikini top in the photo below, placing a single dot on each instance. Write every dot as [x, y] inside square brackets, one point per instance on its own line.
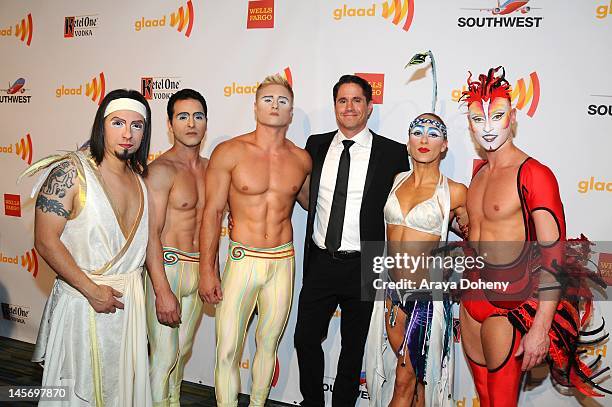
[426, 216]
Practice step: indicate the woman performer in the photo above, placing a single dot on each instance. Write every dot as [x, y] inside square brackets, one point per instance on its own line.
[419, 209]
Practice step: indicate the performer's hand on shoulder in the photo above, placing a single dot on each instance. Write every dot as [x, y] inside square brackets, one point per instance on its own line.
[534, 347]
[167, 308]
[104, 299]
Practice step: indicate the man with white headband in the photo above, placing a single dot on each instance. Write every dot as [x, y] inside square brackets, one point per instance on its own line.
[91, 228]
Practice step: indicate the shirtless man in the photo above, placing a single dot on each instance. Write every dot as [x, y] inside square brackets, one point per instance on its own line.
[512, 198]
[261, 174]
[176, 202]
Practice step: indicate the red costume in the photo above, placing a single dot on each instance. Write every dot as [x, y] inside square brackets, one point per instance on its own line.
[537, 189]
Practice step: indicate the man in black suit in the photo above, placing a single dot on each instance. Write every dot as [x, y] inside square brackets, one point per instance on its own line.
[352, 173]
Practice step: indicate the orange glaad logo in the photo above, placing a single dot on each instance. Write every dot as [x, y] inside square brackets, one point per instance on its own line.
[399, 12]
[12, 205]
[462, 402]
[237, 89]
[23, 148]
[604, 11]
[23, 30]
[377, 81]
[260, 14]
[181, 20]
[591, 184]
[29, 261]
[95, 89]
[523, 96]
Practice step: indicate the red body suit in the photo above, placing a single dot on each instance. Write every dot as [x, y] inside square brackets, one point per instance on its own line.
[538, 190]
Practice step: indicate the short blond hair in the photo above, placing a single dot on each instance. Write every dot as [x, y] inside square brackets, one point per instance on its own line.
[275, 80]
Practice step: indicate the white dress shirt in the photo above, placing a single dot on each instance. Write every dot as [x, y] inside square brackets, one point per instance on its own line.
[360, 158]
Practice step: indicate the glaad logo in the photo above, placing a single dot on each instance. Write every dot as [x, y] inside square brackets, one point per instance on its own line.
[377, 81]
[15, 313]
[604, 11]
[159, 88]
[236, 89]
[94, 89]
[12, 205]
[80, 26]
[521, 95]
[400, 12]
[260, 14]
[15, 93]
[502, 16]
[23, 148]
[182, 20]
[592, 185]
[23, 30]
[600, 109]
[29, 261]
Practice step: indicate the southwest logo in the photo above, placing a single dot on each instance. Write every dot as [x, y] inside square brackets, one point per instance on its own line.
[605, 267]
[236, 89]
[159, 88]
[23, 30]
[604, 11]
[95, 89]
[182, 20]
[522, 95]
[23, 148]
[501, 16]
[12, 205]
[600, 109]
[400, 12]
[80, 26]
[377, 81]
[260, 14]
[14, 92]
[29, 261]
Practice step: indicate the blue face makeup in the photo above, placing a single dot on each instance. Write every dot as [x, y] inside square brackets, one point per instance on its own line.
[418, 122]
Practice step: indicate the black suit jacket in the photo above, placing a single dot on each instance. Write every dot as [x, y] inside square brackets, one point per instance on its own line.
[387, 159]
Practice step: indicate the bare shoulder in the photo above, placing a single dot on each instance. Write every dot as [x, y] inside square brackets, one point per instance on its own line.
[227, 153]
[301, 154]
[162, 169]
[456, 187]
[62, 180]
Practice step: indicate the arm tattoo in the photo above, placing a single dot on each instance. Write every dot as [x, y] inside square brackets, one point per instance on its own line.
[60, 179]
[52, 206]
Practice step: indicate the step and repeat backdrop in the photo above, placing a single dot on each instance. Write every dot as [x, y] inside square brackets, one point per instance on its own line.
[60, 58]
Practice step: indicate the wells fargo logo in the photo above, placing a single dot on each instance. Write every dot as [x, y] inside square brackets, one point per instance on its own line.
[260, 14]
[399, 12]
[95, 89]
[591, 184]
[12, 205]
[605, 267]
[377, 81]
[604, 11]
[23, 148]
[80, 26]
[181, 20]
[523, 96]
[159, 88]
[237, 89]
[23, 30]
[29, 261]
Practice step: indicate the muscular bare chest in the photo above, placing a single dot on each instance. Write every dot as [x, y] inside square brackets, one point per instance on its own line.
[187, 191]
[268, 173]
[493, 196]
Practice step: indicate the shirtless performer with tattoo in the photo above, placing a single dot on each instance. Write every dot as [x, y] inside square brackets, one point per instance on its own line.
[260, 173]
[176, 201]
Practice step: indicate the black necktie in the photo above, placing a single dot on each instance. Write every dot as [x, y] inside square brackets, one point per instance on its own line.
[333, 237]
